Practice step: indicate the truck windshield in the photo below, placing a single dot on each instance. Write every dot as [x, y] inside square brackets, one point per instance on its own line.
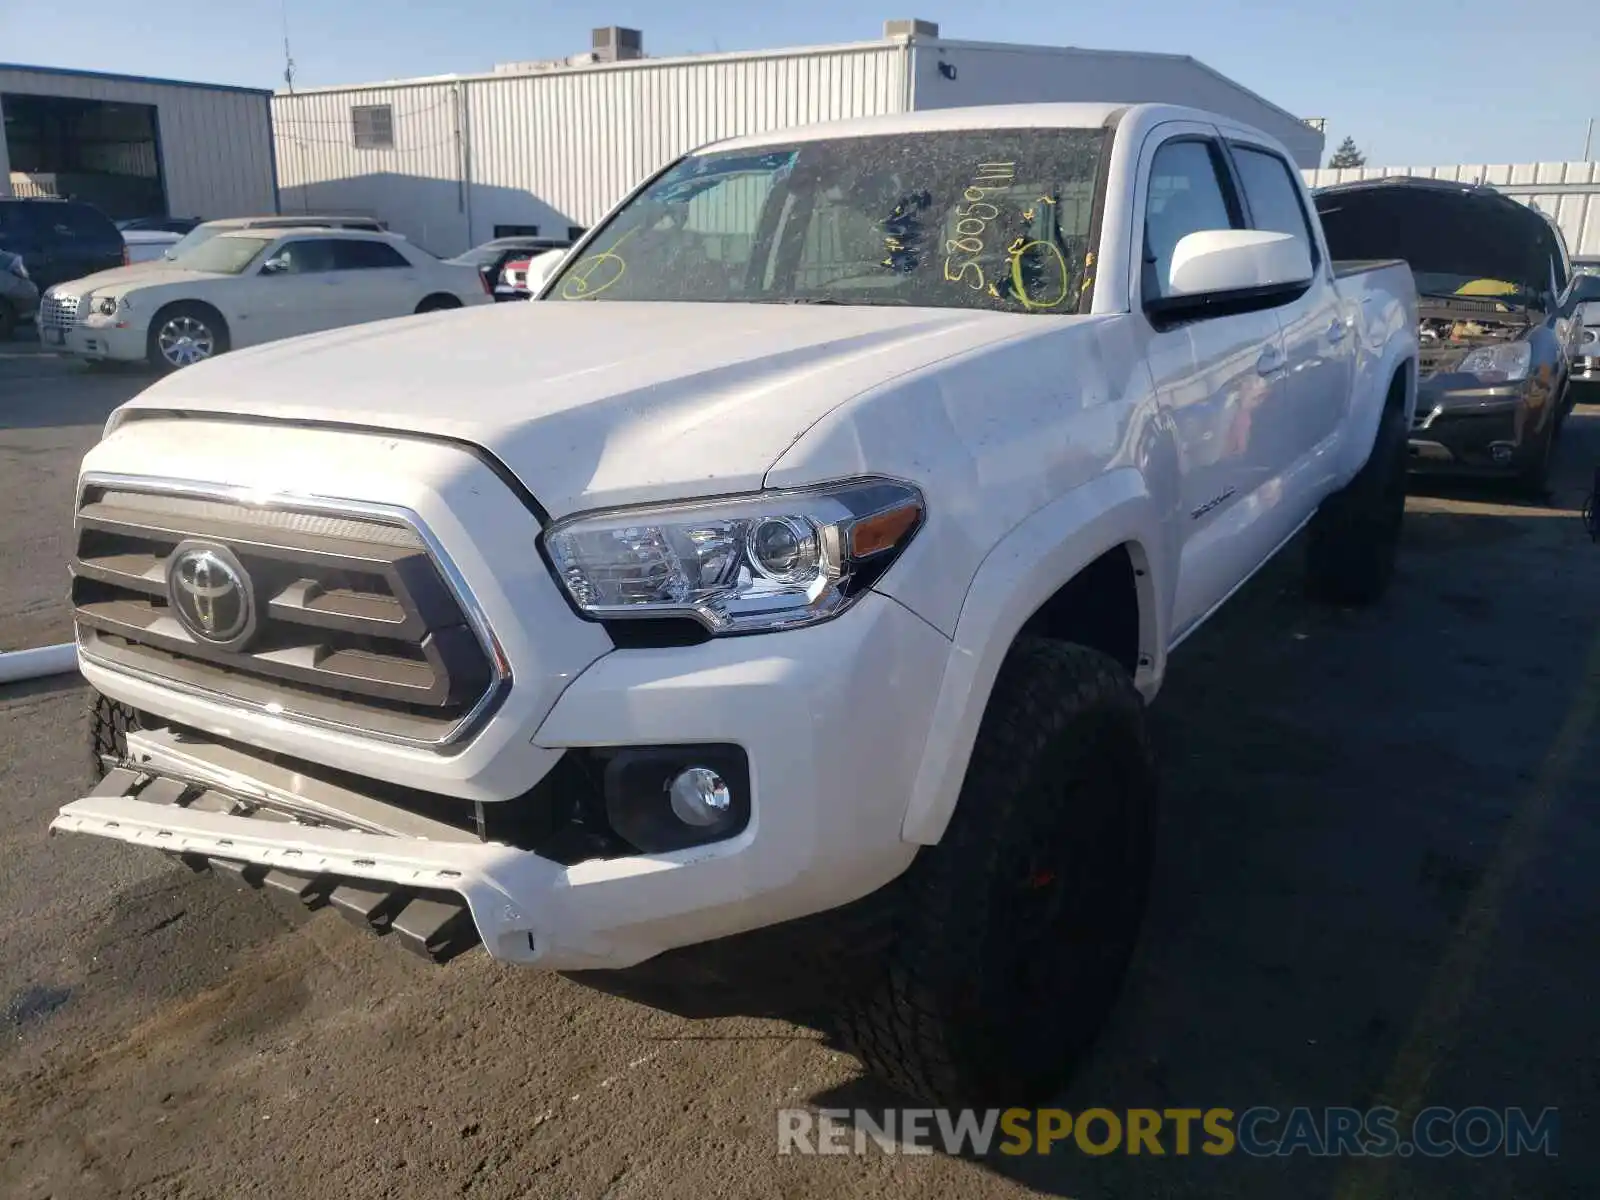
[995, 219]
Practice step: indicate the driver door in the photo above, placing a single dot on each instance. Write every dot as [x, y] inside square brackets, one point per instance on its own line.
[1217, 377]
[287, 296]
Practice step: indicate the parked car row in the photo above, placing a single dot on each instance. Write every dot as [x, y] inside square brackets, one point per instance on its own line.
[503, 263]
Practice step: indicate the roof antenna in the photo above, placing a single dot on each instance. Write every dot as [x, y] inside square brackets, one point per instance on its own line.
[288, 59]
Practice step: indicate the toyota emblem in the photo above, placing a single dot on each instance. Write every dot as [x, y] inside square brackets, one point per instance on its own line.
[210, 594]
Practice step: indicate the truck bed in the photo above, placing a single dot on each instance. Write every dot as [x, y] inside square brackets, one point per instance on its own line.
[1343, 267]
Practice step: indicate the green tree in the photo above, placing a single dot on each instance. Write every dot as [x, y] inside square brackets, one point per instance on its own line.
[1347, 155]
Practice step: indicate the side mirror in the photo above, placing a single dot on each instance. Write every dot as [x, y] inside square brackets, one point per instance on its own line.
[275, 266]
[1235, 264]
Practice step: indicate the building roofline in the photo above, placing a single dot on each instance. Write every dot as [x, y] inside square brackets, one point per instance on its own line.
[631, 64]
[72, 72]
[901, 40]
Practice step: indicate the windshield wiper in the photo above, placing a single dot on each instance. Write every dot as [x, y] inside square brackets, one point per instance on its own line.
[797, 300]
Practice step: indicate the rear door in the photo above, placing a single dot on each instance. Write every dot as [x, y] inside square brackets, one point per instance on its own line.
[375, 281]
[1318, 335]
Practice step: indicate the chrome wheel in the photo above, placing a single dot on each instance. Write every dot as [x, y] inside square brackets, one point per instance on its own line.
[185, 340]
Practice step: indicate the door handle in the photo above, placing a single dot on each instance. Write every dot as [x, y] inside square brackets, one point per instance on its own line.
[1270, 362]
[1337, 330]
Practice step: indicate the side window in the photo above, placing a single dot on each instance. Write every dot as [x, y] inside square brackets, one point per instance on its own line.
[366, 256]
[1273, 198]
[1186, 196]
[308, 256]
[88, 224]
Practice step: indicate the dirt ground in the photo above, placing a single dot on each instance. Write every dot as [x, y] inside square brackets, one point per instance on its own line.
[1375, 880]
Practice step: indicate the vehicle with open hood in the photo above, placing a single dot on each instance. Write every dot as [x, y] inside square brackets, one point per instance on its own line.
[808, 551]
[1496, 304]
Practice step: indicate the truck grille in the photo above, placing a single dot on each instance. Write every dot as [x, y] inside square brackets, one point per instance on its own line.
[59, 312]
[337, 618]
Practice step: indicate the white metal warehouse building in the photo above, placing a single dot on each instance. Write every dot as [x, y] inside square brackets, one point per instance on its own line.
[546, 147]
[1567, 191]
[134, 146]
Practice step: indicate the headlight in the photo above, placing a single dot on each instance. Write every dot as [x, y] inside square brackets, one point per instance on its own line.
[106, 306]
[747, 564]
[1503, 363]
[1589, 335]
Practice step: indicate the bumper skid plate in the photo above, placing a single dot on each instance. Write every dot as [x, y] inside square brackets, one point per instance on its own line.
[430, 922]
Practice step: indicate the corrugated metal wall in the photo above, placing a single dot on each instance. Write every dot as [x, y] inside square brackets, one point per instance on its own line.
[1567, 191]
[416, 185]
[557, 148]
[215, 144]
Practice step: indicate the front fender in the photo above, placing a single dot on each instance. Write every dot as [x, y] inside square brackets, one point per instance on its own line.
[1015, 578]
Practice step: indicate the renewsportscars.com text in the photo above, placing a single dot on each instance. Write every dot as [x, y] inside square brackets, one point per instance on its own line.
[1258, 1132]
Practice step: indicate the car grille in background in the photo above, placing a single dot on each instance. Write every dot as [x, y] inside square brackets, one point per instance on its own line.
[59, 312]
[356, 625]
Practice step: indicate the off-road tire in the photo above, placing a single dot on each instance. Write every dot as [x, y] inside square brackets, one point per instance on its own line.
[1011, 936]
[1355, 536]
[109, 722]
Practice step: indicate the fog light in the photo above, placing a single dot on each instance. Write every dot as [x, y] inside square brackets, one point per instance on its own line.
[664, 798]
[699, 797]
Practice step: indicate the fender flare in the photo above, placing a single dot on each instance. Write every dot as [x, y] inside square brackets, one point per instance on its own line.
[1374, 374]
[1016, 577]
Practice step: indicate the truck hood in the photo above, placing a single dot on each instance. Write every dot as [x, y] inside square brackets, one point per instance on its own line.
[595, 404]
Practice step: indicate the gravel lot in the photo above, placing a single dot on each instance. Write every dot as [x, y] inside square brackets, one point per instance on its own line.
[1376, 879]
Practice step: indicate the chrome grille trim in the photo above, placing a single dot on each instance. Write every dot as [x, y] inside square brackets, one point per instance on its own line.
[58, 311]
[278, 511]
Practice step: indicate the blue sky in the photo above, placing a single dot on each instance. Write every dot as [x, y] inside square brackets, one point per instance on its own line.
[1414, 83]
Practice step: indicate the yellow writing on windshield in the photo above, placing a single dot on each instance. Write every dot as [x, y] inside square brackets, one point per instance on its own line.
[972, 223]
[596, 272]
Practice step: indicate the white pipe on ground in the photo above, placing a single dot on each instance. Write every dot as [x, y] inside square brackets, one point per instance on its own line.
[17, 665]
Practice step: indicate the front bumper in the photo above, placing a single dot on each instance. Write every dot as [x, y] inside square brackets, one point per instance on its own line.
[98, 342]
[833, 719]
[1463, 427]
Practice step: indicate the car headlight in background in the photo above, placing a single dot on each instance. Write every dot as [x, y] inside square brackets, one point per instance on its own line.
[1504, 363]
[747, 564]
[1590, 335]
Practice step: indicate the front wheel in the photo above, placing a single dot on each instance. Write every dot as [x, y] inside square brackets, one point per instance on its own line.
[184, 334]
[1013, 933]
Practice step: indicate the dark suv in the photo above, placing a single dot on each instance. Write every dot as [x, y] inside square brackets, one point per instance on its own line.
[59, 239]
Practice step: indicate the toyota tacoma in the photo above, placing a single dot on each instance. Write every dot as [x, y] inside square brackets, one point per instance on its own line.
[814, 540]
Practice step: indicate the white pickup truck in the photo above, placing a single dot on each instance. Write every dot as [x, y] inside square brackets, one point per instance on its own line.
[817, 537]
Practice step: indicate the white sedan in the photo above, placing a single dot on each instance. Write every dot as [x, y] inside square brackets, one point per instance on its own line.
[240, 289]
